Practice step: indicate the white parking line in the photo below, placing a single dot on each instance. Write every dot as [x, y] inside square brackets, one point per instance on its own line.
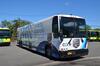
[88, 58]
[51, 63]
[58, 62]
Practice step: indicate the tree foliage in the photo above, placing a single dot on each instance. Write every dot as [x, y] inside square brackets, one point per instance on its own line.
[14, 24]
[88, 27]
[97, 29]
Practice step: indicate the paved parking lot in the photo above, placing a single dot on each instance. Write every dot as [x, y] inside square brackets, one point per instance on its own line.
[16, 56]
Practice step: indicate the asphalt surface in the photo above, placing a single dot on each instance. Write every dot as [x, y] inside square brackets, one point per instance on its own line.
[17, 56]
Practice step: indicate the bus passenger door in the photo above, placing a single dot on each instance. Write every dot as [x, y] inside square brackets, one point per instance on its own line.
[55, 40]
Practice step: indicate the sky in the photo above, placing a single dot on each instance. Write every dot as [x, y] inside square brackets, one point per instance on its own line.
[35, 10]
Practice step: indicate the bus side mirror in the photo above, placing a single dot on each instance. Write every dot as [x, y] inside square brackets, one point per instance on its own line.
[55, 35]
[61, 36]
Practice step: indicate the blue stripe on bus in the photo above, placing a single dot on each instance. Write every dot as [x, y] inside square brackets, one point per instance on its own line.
[84, 43]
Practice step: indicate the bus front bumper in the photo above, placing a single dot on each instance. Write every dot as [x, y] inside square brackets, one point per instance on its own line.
[73, 53]
[4, 43]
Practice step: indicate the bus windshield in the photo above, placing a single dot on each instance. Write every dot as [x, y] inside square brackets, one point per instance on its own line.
[5, 33]
[94, 34]
[73, 27]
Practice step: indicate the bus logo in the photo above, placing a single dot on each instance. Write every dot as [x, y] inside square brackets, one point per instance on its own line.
[76, 43]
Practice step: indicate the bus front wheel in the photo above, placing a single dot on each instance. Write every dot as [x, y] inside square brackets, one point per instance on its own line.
[48, 52]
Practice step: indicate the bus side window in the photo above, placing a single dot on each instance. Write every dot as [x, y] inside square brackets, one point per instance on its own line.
[55, 27]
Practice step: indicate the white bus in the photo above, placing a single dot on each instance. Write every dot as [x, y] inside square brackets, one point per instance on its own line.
[59, 36]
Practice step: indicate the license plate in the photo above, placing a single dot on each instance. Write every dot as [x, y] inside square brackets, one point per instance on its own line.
[70, 53]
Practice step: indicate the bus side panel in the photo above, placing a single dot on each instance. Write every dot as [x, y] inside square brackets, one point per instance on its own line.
[34, 34]
[40, 31]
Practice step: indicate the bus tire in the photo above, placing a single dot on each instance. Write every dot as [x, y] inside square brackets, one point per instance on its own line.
[8, 44]
[20, 43]
[48, 52]
[30, 45]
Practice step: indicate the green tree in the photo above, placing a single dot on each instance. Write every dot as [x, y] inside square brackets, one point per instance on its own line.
[18, 23]
[97, 29]
[13, 25]
[5, 23]
[88, 27]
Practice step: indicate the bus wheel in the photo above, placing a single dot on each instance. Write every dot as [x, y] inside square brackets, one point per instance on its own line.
[30, 45]
[20, 43]
[48, 52]
[8, 44]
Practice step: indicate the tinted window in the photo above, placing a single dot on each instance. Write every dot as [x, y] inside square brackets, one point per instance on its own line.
[5, 33]
[94, 34]
[73, 27]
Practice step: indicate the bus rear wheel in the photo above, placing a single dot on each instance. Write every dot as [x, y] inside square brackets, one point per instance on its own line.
[20, 43]
[30, 45]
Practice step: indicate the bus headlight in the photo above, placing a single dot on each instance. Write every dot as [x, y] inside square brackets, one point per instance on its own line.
[64, 44]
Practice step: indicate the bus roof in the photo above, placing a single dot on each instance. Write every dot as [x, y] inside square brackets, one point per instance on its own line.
[60, 15]
[70, 16]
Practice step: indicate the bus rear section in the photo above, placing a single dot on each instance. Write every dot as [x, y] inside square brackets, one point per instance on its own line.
[5, 36]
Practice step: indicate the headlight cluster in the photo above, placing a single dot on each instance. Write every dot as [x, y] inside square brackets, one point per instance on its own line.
[64, 44]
